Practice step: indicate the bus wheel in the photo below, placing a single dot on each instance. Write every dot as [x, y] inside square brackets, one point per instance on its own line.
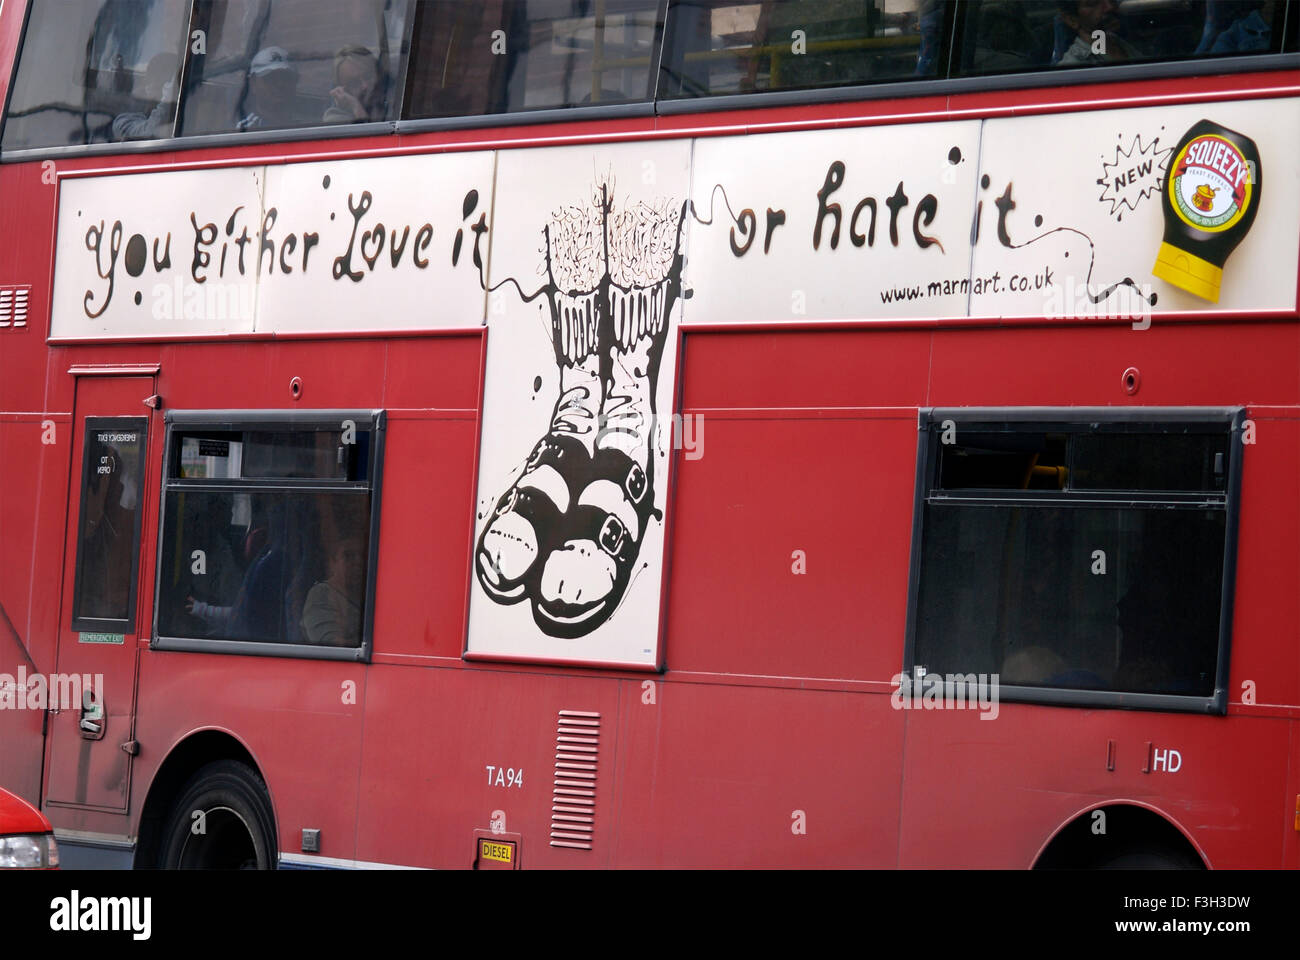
[222, 821]
[1152, 858]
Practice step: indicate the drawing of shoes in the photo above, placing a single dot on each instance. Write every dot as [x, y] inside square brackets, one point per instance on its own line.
[584, 578]
[528, 517]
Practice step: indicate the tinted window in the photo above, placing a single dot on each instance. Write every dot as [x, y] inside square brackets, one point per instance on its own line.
[725, 46]
[1076, 556]
[270, 454]
[1017, 591]
[94, 72]
[1010, 459]
[505, 55]
[1001, 36]
[1137, 462]
[266, 535]
[272, 64]
[108, 544]
[277, 566]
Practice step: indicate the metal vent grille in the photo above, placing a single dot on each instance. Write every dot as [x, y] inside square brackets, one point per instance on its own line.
[573, 803]
[13, 306]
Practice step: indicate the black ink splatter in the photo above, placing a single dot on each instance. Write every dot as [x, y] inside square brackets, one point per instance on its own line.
[537, 384]
[325, 182]
[954, 156]
[1092, 261]
[137, 298]
[136, 250]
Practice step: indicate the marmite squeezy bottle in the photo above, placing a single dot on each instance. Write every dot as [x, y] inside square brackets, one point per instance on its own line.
[1211, 195]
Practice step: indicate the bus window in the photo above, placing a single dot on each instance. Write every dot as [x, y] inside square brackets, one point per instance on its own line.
[1005, 36]
[1080, 557]
[275, 64]
[266, 534]
[97, 72]
[501, 56]
[725, 47]
[109, 531]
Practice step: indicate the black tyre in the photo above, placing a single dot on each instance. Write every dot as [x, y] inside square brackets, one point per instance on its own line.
[222, 820]
[1150, 858]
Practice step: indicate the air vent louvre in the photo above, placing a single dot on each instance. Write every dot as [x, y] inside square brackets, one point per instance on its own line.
[13, 305]
[573, 798]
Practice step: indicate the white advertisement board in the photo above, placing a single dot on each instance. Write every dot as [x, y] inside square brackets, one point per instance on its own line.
[342, 245]
[582, 342]
[583, 261]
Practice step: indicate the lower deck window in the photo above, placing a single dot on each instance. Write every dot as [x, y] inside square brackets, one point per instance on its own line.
[267, 533]
[1081, 560]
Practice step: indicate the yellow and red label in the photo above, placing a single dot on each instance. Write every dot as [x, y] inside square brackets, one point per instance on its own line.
[1212, 184]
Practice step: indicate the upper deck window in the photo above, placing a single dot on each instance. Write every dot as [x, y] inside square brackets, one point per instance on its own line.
[501, 56]
[1005, 36]
[96, 72]
[726, 46]
[275, 64]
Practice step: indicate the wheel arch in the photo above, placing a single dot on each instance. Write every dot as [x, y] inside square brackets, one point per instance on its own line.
[1139, 822]
[184, 758]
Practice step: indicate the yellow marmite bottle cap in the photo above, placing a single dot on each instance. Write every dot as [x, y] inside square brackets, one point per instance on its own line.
[1188, 272]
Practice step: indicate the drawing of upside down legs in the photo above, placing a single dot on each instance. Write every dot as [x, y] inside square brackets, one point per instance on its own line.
[567, 533]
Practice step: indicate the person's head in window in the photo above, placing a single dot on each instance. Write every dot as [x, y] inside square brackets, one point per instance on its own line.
[358, 91]
[331, 614]
[1094, 27]
[272, 91]
[1239, 26]
[159, 89]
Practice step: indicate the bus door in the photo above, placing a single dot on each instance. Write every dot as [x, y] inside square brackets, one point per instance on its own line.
[92, 694]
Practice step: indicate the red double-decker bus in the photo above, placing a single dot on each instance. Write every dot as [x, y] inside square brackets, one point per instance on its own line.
[639, 433]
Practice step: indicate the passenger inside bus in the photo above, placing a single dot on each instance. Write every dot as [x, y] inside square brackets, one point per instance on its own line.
[331, 612]
[160, 88]
[1094, 34]
[1236, 26]
[358, 92]
[255, 612]
[271, 98]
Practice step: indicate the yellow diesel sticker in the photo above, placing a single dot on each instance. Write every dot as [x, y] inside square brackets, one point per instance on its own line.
[501, 852]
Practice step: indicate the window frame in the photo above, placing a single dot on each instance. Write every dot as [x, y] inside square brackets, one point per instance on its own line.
[127, 625]
[274, 134]
[942, 84]
[644, 107]
[242, 420]
[1070, 419]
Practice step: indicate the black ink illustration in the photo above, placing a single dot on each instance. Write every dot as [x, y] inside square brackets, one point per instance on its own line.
[1133, 175]
[1005, 204]
[566, 534]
